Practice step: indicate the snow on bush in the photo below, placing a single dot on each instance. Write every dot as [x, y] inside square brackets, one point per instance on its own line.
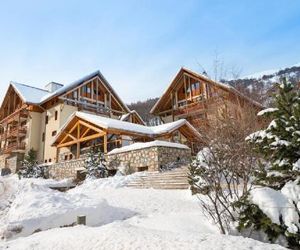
[278, 205]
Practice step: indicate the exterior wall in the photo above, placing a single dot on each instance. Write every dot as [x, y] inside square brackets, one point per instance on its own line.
[63, 113]
[34, 132]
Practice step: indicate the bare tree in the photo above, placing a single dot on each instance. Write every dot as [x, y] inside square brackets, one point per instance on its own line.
[220, 175]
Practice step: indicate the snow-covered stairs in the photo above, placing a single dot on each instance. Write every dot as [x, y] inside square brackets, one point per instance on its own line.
[172, 179]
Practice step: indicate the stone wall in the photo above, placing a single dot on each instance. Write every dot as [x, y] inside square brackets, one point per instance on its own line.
[67, 169]
[152, 158]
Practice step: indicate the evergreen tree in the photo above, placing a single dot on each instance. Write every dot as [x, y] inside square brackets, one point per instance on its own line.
[29, 167]
[95, 164]
[279, 146]
[279, 143]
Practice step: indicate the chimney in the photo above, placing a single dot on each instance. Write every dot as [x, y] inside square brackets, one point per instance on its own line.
[53, 86]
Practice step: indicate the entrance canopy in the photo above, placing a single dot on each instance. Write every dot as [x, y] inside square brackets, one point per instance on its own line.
[82, 127]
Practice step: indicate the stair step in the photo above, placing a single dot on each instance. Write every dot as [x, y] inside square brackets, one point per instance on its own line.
[172, 179]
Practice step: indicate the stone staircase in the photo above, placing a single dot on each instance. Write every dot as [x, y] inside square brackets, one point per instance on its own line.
[171, 179]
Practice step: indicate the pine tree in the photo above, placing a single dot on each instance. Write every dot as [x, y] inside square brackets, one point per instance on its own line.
[279, 143]
[95, 164]
[279, 147]
[29, 167]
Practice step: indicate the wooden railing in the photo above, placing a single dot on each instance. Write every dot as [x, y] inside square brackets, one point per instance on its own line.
[13, 147]
[14, 132]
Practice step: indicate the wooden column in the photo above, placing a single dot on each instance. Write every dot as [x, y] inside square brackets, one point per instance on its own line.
[78, 142]
[105, 144]
[109, 104]
[190, 88]
[185, 89]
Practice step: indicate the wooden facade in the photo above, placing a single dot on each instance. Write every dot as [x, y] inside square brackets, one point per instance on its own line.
[200, 100]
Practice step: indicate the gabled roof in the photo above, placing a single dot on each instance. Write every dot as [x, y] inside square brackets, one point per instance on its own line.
[37, 96]
[29, 94]
[204, 78]
[127, 127]
[78, 82]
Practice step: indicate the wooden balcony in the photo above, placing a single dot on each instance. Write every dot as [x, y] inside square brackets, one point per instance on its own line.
[14, 133]
[13, 147]
[191, 108]
[17, 116]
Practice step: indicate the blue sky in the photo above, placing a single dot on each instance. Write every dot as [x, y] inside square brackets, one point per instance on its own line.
[140, 45]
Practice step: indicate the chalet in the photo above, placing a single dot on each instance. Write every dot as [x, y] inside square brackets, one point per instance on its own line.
[61, 122]
[199, 99]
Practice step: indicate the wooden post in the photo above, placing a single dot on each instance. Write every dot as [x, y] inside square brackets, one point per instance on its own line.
[81, 220]
[92, 90]
[78, 142]
[190, 89]
[105, 144]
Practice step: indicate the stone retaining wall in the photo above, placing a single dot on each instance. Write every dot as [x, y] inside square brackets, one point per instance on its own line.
[67, 169]
[152, 159]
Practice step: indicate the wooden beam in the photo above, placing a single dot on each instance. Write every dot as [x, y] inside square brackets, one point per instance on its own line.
[90, 126]
[85, 132]
[90, 137]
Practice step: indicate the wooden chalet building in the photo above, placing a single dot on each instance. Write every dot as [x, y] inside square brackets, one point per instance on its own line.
[60, 122]
[199, 100]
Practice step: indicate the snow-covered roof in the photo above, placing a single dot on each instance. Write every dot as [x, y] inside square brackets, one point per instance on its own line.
[76, 83]
[128, 127]
[109, 123]
[141, 145]
[39, 96]
[28, 93]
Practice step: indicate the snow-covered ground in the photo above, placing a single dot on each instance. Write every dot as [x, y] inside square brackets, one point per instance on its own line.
[117, 218]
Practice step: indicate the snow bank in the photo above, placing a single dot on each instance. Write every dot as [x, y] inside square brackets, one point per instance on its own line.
[279, 205]
[125, 236]
[37, 207]
[141, 145]
[116, 181]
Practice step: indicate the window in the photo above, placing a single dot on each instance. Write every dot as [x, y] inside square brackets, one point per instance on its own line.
[71, 157]
[50, 160]
[56, 113]
[45, 161]
[88, 90]
[43, 137]
[66, 157]
[47, 118]
[54, 133]
[75, 94]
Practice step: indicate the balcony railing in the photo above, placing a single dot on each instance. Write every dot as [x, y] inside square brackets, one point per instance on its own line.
[13, 147]
[14, 132]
